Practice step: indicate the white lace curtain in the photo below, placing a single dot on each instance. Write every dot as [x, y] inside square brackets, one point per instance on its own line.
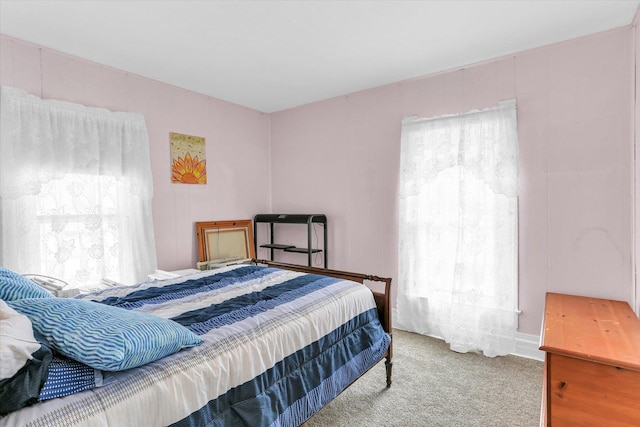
[75, 191]
[458, 230]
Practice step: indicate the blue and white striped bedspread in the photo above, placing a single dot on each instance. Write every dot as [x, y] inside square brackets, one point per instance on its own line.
[278, 345]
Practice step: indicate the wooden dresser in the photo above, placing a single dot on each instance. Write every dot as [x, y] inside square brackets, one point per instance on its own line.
[592, 362]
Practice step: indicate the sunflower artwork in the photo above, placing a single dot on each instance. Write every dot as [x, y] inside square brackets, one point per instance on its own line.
[188, 162]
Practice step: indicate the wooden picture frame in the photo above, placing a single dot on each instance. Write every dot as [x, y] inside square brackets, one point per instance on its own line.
[225, 241]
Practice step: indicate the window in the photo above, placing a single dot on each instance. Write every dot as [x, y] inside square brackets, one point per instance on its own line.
[458, 247]
[77, 241]
[75, 188]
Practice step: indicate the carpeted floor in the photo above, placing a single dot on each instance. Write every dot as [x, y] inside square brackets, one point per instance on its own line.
[433, 386]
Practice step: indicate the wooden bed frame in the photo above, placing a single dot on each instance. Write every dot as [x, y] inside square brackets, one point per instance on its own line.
[382, 299]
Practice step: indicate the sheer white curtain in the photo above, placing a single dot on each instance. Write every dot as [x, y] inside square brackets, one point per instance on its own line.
[458, 231]
[75, 191]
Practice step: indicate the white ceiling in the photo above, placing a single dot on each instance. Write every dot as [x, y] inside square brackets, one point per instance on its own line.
[274, 55]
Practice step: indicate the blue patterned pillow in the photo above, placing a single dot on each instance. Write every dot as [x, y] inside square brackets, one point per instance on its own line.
[13, 286]
[66, 376]
[104, 337]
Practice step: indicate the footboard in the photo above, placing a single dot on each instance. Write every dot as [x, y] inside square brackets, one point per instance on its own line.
[382, 299]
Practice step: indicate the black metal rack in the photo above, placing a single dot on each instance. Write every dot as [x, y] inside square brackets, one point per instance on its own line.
[272, 219]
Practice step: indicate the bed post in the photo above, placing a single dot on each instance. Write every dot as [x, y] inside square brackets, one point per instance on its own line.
[382, 299]
[384, 314]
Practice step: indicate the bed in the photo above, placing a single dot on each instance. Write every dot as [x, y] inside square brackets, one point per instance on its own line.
[277, 343]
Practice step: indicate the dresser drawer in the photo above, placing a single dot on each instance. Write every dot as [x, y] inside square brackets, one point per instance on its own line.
[585, 393]
[592, 362]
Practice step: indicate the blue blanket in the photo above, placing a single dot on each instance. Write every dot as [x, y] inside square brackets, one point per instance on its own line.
[278, 346]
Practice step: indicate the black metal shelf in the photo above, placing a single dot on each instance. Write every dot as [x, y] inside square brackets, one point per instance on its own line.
[276, 246]
[272, 219]
[301, 250]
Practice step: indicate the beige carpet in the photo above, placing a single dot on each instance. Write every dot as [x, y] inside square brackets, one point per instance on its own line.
[433, 386]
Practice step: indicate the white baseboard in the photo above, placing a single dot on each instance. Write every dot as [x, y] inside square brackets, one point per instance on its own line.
[526, 345]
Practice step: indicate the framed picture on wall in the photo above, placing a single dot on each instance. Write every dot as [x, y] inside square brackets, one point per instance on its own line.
[188, 159]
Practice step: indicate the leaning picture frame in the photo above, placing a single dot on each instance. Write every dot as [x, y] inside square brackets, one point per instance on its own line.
[222, 242]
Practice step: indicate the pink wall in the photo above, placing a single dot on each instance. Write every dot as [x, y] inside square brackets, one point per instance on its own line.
[636, 21]
[575, 126]
[341, 157]
[237, 139]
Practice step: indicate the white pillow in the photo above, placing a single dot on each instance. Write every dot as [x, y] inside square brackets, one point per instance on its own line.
[17, 342]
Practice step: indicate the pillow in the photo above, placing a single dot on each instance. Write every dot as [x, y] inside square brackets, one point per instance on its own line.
[14, 286]
[24, 361]
[17, 343]
[67, 376]
[29, 372]
[104, 337]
